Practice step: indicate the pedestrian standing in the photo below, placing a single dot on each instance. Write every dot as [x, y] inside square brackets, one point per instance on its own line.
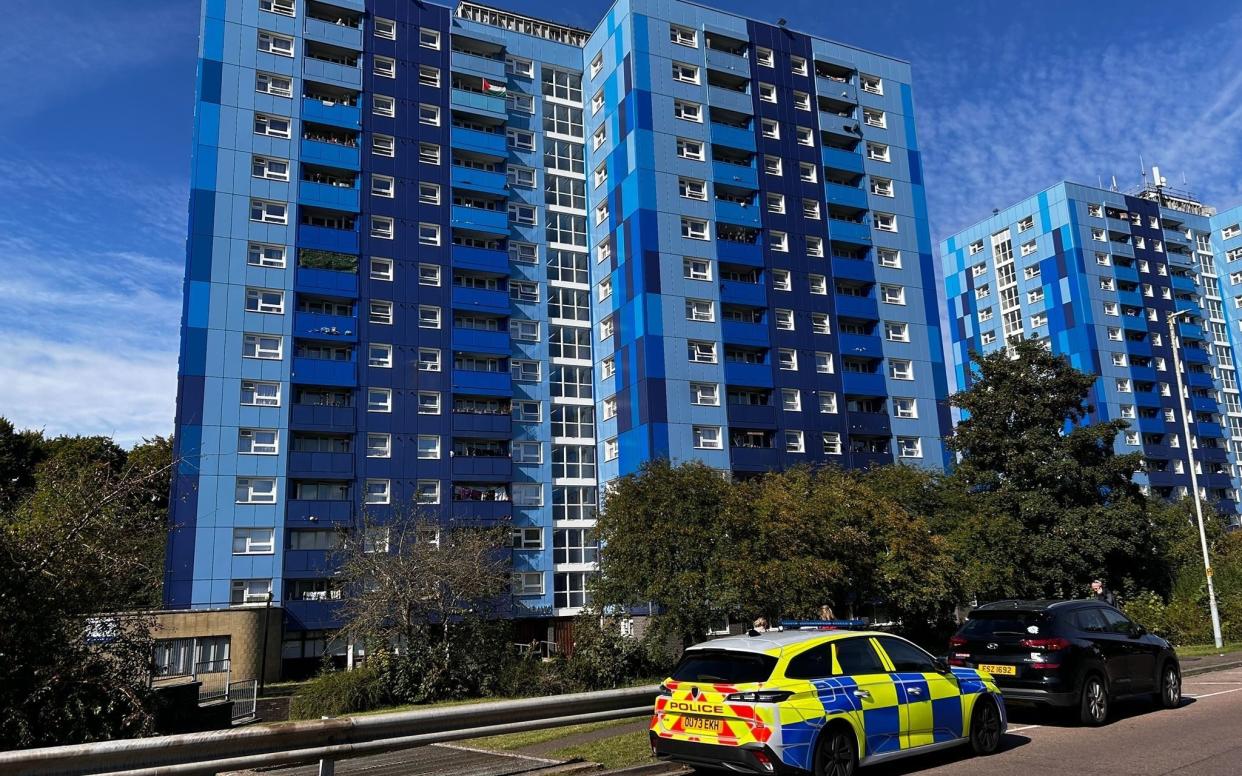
[1100, 592]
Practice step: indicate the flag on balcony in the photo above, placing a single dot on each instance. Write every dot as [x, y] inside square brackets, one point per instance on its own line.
[496, 90]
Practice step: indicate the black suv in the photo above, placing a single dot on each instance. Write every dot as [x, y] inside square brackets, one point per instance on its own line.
[1080, 654]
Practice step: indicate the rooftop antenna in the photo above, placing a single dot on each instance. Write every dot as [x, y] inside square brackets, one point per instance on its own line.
[1143, 170]
[1099, 180]
[1114, 183]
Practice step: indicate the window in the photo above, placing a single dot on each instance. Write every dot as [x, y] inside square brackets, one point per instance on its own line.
[382, 227]
[250, 591]
[889, 257]
[877, 152]
[697, 269]
[700, 310]
[764, 57]
[255, 490]
[802, 100]
[794, 442]
[871, 83]
[893, 294]
[791, 400]
[787, 359]
[383, 145]
[707, 438]
[524, 371]
[780, 280]
[269, 212]
[428, 403]
[428, 447]
[522, 214]
[258, 441]
[427, 492]
[272, 126]
[779, 241]
[770, 129]
[379, 445]
[377, 492]
[705, 394]
[815, 247]
[900, 369]
[379, 400]
[428, 153]
[380, 312]
[776, 202]
[520, 103]
[265, 300]
[797, 65]
[427, 75]
[824, 363]
[383, 186]
[701, 352]
[429, 234]
[693, 229]
[520, 139]
[379, 355]
[271, 169]
[875, 118]
[385, 67]
[886, 222]
[381, 269]
[810, 209]
[767, 92]
[685, 110]
[384, 28]
[882, 187]
[283, 7]
[264, 255]
[428, 275]
[253, 541]
[691, 188]
[683, 36]
[784, 319]
[807, 172]
[522, 177]
[772, 165]
[429, 114]
[690, 149]
[428, 316]
[262, 346]
[276, 85]
[257, 394]
[685, 73]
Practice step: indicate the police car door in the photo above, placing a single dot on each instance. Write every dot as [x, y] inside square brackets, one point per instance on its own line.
[931, 702]
[871, 692]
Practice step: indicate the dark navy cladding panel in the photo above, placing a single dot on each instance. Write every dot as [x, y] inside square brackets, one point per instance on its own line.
[212, 78]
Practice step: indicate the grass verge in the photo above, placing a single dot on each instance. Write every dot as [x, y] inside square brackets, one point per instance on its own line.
[511, 741]
[1203, 650]
[613, 752]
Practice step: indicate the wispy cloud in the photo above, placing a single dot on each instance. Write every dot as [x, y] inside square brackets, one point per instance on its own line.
[1002, 126]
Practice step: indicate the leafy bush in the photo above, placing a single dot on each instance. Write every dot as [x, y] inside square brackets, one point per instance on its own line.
[603, 658]
[471, 664]
[333, 693]
[1149, 610]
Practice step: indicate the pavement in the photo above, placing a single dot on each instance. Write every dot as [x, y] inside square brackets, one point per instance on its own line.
[1200, 737]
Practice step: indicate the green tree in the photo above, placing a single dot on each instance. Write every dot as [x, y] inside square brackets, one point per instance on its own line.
[1055, 505]
[81, 543]
[20, 453]
[664, 543]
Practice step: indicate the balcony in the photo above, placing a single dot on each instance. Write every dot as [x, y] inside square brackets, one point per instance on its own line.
[1145, 374]
[482, 468]
[481, 300]
[740, 102]
[849, 196]
[750, 254]
[337, 328]
[482, 511]
[481, 259]
[1195, 356]
[1188, 305]
[1133, 323]
[753, 375]
[837, 90]
[332, 73]
[753, 459]
[752, 415]
[1184, 283]
[1130, 298]
[328, 196]
[744, 176]
[870, 460]
[330, 154]
[1202, 404]
[864, 307]
[861, 345]
[1199, 380]
[328, 239]
[336, 34]
[849, 231]
[846, 126]
[1176, 237]
[840, 159]
[1126, 274]
[1208, 430]
[728, 63]
[869, 424]
[737, 292]
[852, 269]
[738, 333]
[480, 180]
[733, 137]
[336, 114]
[1149, 425]
[321, 417]
[495, 343]
[737, 213]
[320, 464]
[483, 67]
[1122, 249]
[863, 383]
[480, 220]
[481, 104]
[486, 383]
[477, 424]
[487, 143]
[327, 281]
[326, 514]
[317, 371]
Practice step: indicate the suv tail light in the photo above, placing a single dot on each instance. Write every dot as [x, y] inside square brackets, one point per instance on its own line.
[957, 641]
[665, 691]
[1046, 645]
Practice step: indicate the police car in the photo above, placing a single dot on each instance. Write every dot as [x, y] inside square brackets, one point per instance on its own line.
[819, 701]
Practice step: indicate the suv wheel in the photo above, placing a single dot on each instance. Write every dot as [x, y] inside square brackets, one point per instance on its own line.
[1169, 695]
[1093, 705]
[838, 753]
[985, 727]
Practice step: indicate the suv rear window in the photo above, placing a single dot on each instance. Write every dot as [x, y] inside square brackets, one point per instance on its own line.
[1004, 625]
[718, 666]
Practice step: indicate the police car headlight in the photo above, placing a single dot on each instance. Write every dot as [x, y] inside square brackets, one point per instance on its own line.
[761, 696]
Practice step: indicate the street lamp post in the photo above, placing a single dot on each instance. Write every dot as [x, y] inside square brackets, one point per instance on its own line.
[267, 618]
[1176, 344]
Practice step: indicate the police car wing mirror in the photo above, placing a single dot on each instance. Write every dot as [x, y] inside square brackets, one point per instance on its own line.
[942, 665]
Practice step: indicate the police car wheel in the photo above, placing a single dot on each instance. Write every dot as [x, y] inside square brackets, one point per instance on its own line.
[838, 753]
[985, 727]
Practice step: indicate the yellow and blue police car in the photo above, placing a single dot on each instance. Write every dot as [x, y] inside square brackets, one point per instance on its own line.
[819, 701]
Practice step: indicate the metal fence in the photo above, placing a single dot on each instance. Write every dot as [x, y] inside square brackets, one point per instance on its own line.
[243, 695]
[213, 679]
[325, 740]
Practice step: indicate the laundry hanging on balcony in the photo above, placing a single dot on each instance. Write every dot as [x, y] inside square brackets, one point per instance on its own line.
[494, 89]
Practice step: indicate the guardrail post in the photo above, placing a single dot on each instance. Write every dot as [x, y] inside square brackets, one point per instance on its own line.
[327, 767]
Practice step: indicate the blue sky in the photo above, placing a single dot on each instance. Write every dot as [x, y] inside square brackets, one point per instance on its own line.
[95, 144]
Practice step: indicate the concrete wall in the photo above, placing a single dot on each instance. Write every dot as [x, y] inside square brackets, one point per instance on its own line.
[245, 629]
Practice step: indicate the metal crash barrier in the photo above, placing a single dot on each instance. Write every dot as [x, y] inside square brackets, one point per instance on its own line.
[325, 740]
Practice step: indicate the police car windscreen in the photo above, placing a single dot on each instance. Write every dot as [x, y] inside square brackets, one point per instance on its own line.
[720, 666]
[1003, 625]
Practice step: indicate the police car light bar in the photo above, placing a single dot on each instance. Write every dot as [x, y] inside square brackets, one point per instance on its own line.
[822, 624]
